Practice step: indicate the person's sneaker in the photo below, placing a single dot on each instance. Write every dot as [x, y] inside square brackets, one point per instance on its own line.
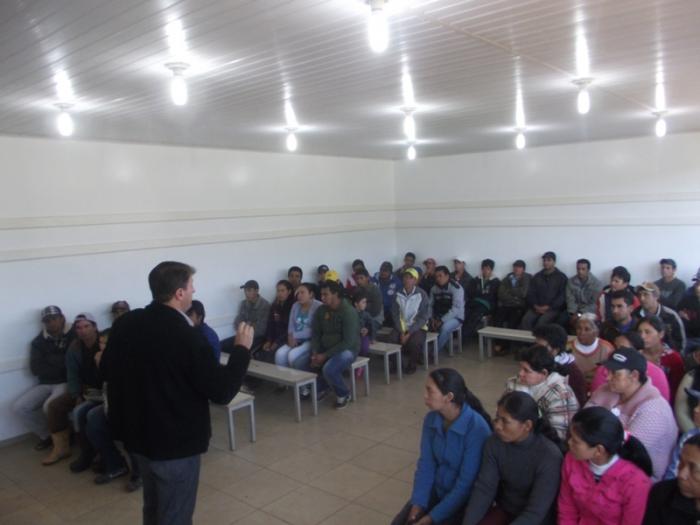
[105, 478]
[43, 444]
[305, 393]
[342, 402]
[134, 484]
[410, 369]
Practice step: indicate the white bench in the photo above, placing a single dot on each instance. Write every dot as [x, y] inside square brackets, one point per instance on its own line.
[430, 338]
[360, 362]
[283, 376]
[240, 401]
[387, 350]
[456, 332]
[489, 333]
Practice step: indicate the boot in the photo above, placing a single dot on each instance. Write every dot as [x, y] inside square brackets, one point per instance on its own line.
[61, 447]
[87, 454]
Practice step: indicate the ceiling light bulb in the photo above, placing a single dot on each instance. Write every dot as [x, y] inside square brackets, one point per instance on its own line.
[409, 127]
[178, 89]
[660, 97]
[64, 123]
[660, 127]
[411, 152]
[378, 27]
[290, 116]
[583, 102]
[292, 142]
[520, 141]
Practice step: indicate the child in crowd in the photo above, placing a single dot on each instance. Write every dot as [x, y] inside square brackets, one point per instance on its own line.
[554, 338]
[605, 476]
[454, 433]
[652, 330]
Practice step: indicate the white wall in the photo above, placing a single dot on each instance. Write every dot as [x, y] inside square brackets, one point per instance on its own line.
[82, 223]
[626, 202]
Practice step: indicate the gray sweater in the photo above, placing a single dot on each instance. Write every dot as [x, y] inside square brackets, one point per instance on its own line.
[522, 478]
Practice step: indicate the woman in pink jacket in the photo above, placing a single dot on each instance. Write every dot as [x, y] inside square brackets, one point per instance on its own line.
[605, 475]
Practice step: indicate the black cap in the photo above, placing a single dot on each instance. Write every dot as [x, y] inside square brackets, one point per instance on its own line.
[322, 269]
[626, 359]
[550, 255]
[386, 267]
[251, 284]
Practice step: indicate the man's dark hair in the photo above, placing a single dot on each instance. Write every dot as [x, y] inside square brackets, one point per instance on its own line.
[554, 334]
[694, 441]
[443, 269]
[488, 262]
[622, 273]
[196, 308]
[520, 263]
[623, 294]
[411, 255]
[333, 287]
[295, 269]
[167, 278]
[670, 262]
[362, 271]
[359, 295]
[358, 262]
[584, 261]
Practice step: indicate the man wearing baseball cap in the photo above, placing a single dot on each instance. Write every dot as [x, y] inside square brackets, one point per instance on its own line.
[47, 361]
[410, 314]
[427, 280]
[253, 310]
[644, 413]
[649, 295]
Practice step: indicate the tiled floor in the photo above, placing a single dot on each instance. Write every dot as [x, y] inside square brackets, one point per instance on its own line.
[342, 467]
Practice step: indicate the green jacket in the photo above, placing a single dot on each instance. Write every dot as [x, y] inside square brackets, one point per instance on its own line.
[333, 331]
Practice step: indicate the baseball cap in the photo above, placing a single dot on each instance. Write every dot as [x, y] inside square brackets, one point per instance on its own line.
[457, 258]
[120, 305]
[322, 269]
[251, 284]
[429, 260]
[549, 255]
[386, 267]
[49, 311]
[85, 316]
[412, 272]
[648, 287]
[626, 359]
[332, 275]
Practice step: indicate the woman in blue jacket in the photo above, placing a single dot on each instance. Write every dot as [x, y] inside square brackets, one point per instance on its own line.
[454, 432]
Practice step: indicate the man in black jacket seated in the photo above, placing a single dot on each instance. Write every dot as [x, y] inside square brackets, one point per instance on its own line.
[161, 375]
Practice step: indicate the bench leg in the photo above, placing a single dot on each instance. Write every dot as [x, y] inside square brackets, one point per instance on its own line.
[481, 347]
[314, 399]
[489, 346]
[425, 354]
[450, 348]
[399, 365]
[231, 430]
[353, 382]
[435, 352]
[367, 377]
[459, 340]
[386, 369]
[297, 402]
[251, 414]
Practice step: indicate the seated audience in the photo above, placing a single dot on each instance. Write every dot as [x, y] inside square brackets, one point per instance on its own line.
[410, 314]
[582, 291]
[554, 338]
[196, 313]
[321, 273]
[482, 295]
[84, 392]
[47, 362]
[546, 296]
[295, 275]
[685, 403]
[677, 501]
[655, 375]
[620, 320]
[335, 342]
[539, 376]
[350, 282]
[656, 351]
[446, 306]
[427, 280]
[520, 468]
[118, 309]
[454, 433]
[255, 311]
[692, 407]
[460, 274]
[605, 475]
[512, 297]
[388, 284]
[671, 289]
[409, 261]
[650, 306]
[588, 349]
[367, 332]
[375, 302]
[689, 312]
[277, 321]
[639, 405]
[619, 281]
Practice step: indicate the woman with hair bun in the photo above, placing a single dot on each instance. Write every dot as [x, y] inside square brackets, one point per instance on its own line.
[454, 432]
[605, 476]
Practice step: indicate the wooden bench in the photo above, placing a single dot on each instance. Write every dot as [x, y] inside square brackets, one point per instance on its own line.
[387, 350]
[430, 338]
[489, 333]
[359, 363]
[237, 403]
[283, 376]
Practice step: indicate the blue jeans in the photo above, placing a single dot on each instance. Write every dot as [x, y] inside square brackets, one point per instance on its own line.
[446, 331]
[332, 373]
[100, 435]
[169, 489]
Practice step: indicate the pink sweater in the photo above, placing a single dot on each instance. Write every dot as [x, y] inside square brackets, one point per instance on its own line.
[654, 372]
[648, 417]
[619, 498]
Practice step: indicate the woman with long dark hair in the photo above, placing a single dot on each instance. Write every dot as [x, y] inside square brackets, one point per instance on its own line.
[605, 476]
[519, 475]
[454, 432]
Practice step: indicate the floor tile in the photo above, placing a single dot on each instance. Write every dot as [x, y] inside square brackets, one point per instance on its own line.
[356, 514]
[262, 488]
[306, 506]
[385, 459]
[348, 481]
[388, 497]
[305, 465]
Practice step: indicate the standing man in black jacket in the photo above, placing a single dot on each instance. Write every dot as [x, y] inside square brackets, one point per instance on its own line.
[546, 297]
[161, 375]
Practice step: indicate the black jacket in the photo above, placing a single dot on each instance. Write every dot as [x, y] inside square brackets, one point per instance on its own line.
[161, 375]
[548, 289]
[667, 506]
[47, 357]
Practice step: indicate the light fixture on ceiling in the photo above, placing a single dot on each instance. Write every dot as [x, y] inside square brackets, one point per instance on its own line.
[378, 26]
[64, 121]
[583, 100]
[411, 152]
[660, 128]
[409, 126]
[292, 126]
[520, 141]
[292, 142]
[178, 84]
